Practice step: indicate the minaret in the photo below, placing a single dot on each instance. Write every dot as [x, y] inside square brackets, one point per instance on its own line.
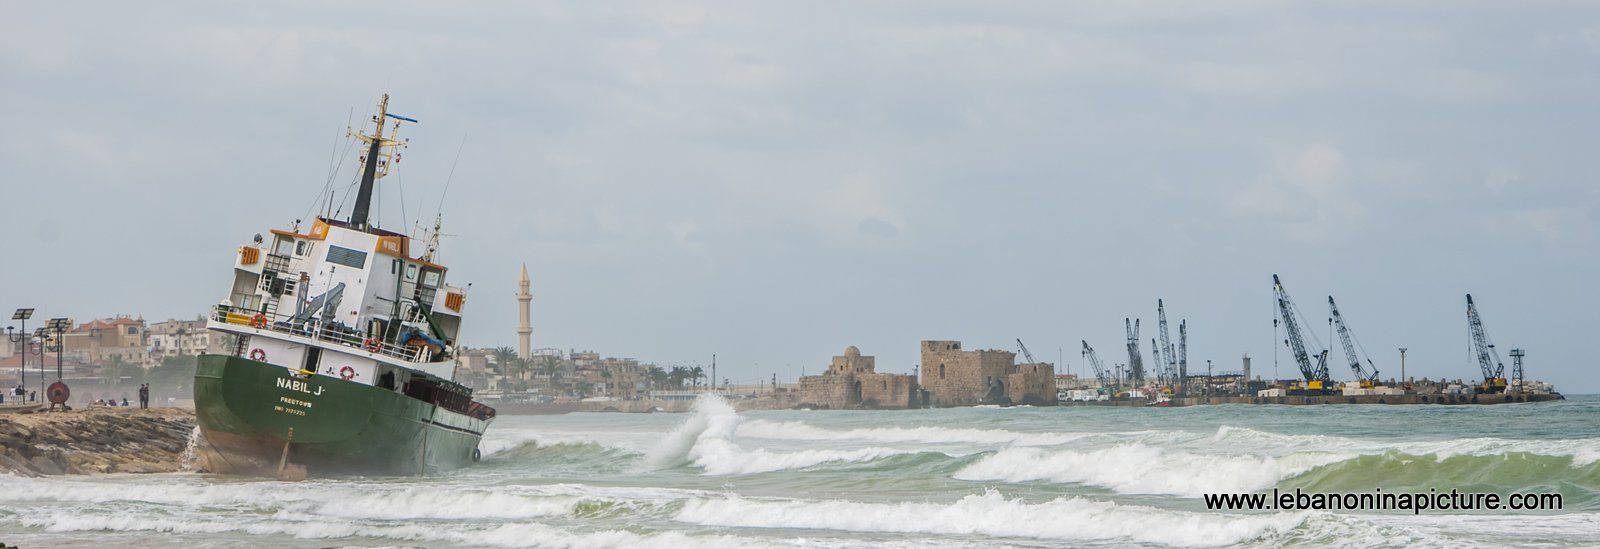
[524, 329]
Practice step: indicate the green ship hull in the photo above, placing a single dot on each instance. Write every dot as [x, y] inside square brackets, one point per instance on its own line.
[261, 419]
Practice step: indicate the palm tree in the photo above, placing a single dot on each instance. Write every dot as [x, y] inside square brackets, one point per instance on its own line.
[551, 366]
[677, 376]
[657, 376]
[504, 357]
[697, 373]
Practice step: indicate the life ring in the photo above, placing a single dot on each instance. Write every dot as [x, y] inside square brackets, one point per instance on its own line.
[347, 373]
[57, 393]
[259, 321]
[476, 455]
[258, 355]
[372, 345]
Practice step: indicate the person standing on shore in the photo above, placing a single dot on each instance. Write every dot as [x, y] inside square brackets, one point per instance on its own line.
[144, 395]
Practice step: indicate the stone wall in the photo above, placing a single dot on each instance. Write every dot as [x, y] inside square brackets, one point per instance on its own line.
[826, 391]
[1032, 384]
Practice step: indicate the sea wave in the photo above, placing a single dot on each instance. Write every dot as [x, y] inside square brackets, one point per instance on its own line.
[513, 439]
[799, 430]
[1583, 451]
[349, 500]
[991, 514]
[1138, 468]
[581, 455]
[1504, 472]
[707, 440]
[523, 534]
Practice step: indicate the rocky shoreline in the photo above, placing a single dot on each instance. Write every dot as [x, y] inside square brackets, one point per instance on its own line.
[95, 440]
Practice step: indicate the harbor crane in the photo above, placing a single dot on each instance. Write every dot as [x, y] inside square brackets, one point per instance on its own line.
[1162, 375]
[1367, 379]
[1183, 353]
[1494, 380]
[1135, 360]
[1025, 354]
[1094, 362]
[1169, 368]
[1317, 380]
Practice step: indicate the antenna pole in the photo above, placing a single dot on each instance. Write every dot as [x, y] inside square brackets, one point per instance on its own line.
[369, 172]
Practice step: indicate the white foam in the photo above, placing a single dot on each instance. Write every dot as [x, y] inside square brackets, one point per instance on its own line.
[1584, 451]
[710, 413]
[523, 534]
[1142, 469]
[991, 514]
[797, 430]
[707, 440]
[434, 503]
[333, 499]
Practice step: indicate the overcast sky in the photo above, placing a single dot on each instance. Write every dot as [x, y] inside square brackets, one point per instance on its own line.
[774, 181]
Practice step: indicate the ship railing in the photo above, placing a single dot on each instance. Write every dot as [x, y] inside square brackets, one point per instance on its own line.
[318, 330]
[277, 262]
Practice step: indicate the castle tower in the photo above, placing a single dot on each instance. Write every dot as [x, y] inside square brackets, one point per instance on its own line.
[524, 328]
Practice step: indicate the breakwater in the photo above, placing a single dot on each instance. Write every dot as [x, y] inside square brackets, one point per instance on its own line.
[1411, 398]
[95, 440]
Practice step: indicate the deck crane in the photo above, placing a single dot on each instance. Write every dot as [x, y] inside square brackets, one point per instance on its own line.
[1094, 362]
[1317, 380]
[1494, 380]
[1367, 379]
[1135, 361]
[1169, 368]
[1025, 354]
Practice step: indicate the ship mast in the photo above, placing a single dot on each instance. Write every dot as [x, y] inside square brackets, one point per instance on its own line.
[376, 161]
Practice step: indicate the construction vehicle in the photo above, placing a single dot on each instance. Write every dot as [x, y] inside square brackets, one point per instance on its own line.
[1366, 379]
[1317, 381]
[1494, 380]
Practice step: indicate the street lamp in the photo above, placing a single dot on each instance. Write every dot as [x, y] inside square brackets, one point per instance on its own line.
[59, 326]
[22, 314]
[1403, 380]
[43, 335]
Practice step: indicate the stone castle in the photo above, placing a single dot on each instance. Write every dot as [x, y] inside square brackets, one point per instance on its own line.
[953, 377]
[852, 381]
[950, 377]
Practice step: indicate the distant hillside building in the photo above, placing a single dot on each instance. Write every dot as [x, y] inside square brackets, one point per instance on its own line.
[953, 377]
[183, 337]
[852, 381]
[100, 341]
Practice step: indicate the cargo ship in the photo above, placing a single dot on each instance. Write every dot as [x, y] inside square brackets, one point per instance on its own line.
[343, 349]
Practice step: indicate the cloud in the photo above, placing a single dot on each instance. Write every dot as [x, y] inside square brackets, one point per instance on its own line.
[1250, 80]
[1111, 140]
[1555, 223]
[1307, 195]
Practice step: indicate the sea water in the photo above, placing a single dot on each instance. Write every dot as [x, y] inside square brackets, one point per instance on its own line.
[961, 477]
